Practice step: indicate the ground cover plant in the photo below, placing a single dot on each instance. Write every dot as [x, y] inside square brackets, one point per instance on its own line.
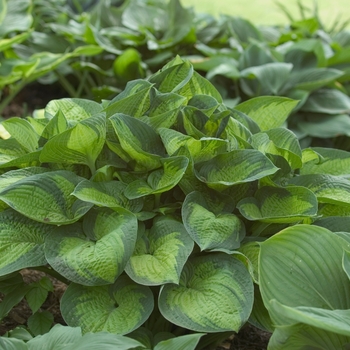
[174, 219]
[188, 201]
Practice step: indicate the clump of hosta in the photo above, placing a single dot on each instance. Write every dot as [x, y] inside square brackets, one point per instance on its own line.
[163, 209]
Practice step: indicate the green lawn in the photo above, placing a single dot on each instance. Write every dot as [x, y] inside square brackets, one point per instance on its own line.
[266, 11]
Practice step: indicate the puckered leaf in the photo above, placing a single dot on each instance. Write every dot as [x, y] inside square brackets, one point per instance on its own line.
[160, 253]
[235, 167]
[267, 111]
[96, 252]
[79, 145]
[215, 294]
[21, 242]
[280, 205]
[46, 197]
[118, 308]
[209, 225]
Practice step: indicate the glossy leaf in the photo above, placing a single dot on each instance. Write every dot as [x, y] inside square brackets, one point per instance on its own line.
[118, 308]
[96, 252]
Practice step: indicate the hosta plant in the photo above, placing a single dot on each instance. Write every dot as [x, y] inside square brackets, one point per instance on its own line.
[168, 213]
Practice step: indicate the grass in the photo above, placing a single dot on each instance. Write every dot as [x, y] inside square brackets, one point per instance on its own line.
[267, 12]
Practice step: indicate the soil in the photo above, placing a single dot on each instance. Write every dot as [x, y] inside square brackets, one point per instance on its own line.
[36, 96]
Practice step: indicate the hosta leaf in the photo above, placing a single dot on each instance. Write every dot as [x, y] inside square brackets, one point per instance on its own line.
[215, 294]
[24, 161]
[334, 223]
[160, 254]
[235, 167]
[327, 188]
[337, 321]
[73, 109]
[329, 101]
[106, 194]
[333, 162]
[324, 125]
[96, 252]
[12, 176]
[134, 100]
[301, 336]
[160, 180]
[313, 78]
[346, 262]
[267, 111]
[119, 308]
[132, 134]
[208, 228]
[183, 342]
[79, 145]
[291, 265]
[200, 150]
[22, 132]
[56, 125]
[47, 197]
[270, 78]
[21, 242]
[280, 205]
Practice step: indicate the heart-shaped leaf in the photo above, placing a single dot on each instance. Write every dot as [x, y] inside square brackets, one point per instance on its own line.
[21, 242]
[160, 253]
[276, 204]
[211, 228]
[46, 197]
[96, 252]
[291, 265]
[80, 144]
[235, 167]
[215, 294]
[107, 194]
[160, 180]
[118, 308]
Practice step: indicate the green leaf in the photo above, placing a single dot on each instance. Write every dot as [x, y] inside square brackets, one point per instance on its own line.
[132, 134]
[201, 150]
[183, 342]
[267, 79]
[73, 109]
[215, 294]
[12, 344]
[46, 197]
[209, 225]
[329, 101]
[21, 242]
[79, 145]
[40, 322]
[297, 272]
[336, 321]
[267, 111]
[58, 337]
[119, 308]
[38, 293]
[22, 132]
[160, 180]
[327, 188]
[279, 205]
[333, 162]
[110, 194]
[303, 336]
[96, 252]
[235, 167]
[128, 66]
[160, 253]
[346, 262]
